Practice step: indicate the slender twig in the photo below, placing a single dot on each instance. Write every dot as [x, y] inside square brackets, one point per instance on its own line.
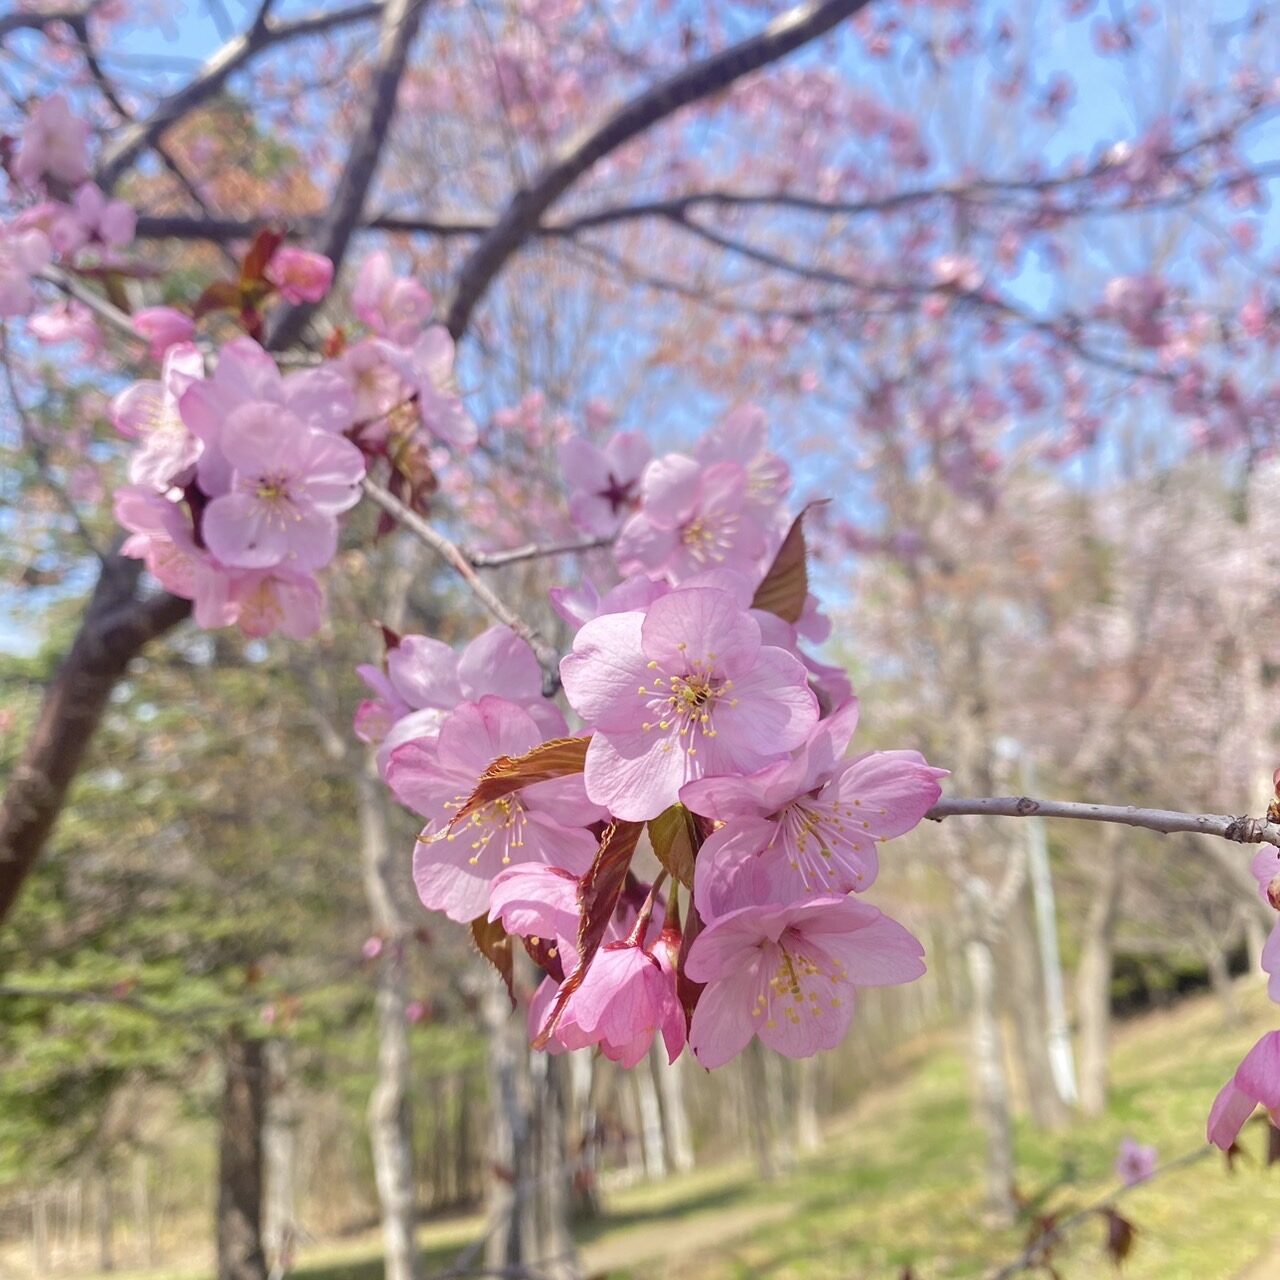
[1033, 1254]
[456, 559]
[535, 551]
[1241, 830]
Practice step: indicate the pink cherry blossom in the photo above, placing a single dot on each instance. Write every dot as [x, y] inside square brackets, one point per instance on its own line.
[162, 327]
[70, 321]
[392, 306]
[1136, 303]
[691, 518]
[245, 374]
[811, 823]
[790, 973]
[679, 692]
[1266, 870]
[453, 868]
[604, 483]
[289, 483]
[742, 437]
[427, 369]
[275, 601]
[113, 222]
[1256, 1082]
[1135, 1162]
[22, 254]
[299, 274]
[54, 144]
[626, 998]
[148, 412]
[372, 369]
[533, 900]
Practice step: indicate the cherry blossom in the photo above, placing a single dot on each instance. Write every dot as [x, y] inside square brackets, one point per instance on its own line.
[813, 822]
[680, 691]
[300, 275]
[162, 327]
[604, 482]
[691, 518]
[1256, 1082]
[452, 867]
[22, 254]
[790, 973]
[392, 306]
[148, 412]
[54, 144]
[289, 483]
[1135, 1162]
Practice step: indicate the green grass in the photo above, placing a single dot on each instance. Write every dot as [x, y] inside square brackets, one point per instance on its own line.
[899, 1184]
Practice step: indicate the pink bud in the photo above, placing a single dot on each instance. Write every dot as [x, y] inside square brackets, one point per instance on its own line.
[162, 327]
[301, 276]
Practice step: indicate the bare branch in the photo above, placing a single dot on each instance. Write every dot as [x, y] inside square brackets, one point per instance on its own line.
[535, 551]
[457, 560]
[790, 31]
[400, 19]
[1242, 830]
[208, 82]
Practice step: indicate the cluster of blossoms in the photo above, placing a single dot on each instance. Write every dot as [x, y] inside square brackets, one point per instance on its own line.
[1256, 1082]
[64, 217]
[240, 475]
[707, 746]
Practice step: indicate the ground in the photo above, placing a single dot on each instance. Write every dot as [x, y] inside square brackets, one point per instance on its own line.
[896, 1186]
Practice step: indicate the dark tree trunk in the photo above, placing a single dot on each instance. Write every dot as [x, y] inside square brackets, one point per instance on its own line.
[239, 1226]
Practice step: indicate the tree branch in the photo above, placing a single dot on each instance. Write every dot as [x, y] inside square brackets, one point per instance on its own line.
[535, 551]
[208, 82]
[458, 561]
[400, 19]
[790, 31]
[1242, 830]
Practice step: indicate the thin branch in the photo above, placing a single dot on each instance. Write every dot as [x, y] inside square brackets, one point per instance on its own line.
[209, 80]
[785, 34]
[1241, 830]
[457, 560]
[535, 551]
[400, 20]
[1033, 1256]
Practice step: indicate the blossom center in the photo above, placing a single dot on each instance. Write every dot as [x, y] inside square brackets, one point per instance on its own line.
[504, 817]
[708, 539]
[685, 703]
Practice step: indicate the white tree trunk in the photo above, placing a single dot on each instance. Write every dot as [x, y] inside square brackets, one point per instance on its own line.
[1093, 979]
[992, 1083]
[390, 1118]
[677, 1135]
[654, 1147]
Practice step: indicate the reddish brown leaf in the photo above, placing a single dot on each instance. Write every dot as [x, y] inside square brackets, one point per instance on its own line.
[546, 955]
[676, 841]
[254, 267]
[687, 989]
[786, 586]
[598, 897]
[221, 295]
[557, 758]
[1273, 1145]
[1120, 1234]
[494, 943]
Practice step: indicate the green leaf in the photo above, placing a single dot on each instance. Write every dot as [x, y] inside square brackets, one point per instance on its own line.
[676, 841]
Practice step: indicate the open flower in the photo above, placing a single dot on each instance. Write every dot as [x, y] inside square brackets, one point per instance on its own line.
[289, 484]
[22, 254]
[147, 411]
[1135, 1162]
[1256, 1083]
[811, 823]
[392, 306]
[681, 691]
[452, 869]
[604, 483]
[162, 327]
[789, 974]
[692, 518]
[55, 144]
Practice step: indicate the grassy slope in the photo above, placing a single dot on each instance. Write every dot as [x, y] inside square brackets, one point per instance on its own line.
[898, 1184]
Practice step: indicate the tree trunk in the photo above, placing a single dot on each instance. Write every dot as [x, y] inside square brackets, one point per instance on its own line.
[141, 1191]
[760, 1116]
[279, 1139]
[655, 1151]
[239, 1225]
[106, 1235]
[1025, 998]
[1215, 958]
[529, 1187]
[585, 1183]
[115, 628]
[808, 1130]
[992, 1083]
[1093, 979]
[670, 1079]
[390, 1120]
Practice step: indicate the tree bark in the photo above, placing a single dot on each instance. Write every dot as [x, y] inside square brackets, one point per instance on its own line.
[993, 1084]
[1093, 979]
[239, 1225]
[808, 1130]
[670, 1078]
[529, 1189]
[390, 1117]
[280, 1133]
[1025, 996]
[116, 627]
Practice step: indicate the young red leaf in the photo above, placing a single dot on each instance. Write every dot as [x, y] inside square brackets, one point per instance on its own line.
[676, 841]
[687, 989]
[786, 586]
[254, 266]
[1120, 1234]
[554, 759]
[221, 295]
[598, 897]
[494, 943]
